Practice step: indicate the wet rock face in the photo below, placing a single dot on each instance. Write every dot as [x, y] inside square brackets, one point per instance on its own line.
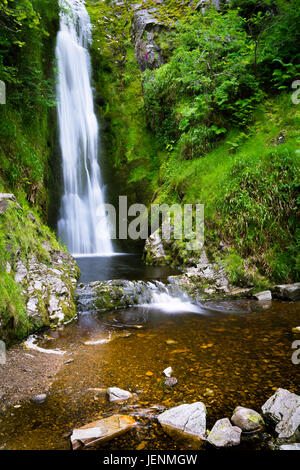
[282, 410]
[188, 420]
[46, 274]
[144, 28]
[223, 434]
[117, 394]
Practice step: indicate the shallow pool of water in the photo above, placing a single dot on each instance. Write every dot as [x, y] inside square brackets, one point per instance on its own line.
[231, 353]
[120, 266]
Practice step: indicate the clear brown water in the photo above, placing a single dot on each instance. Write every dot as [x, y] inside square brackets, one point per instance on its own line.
[234, 353]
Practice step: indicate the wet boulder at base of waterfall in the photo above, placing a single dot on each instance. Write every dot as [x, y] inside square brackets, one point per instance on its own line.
[246, 419]
[117, 394]
[185, 421]
[287, 291]
[101, 431]
[223, 434]
[282, 410]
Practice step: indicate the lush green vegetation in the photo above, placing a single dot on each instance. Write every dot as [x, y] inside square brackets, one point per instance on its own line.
[27, 128]
[215, 124]
[27, 35]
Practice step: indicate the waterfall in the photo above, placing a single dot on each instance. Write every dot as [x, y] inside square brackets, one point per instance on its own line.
[83, 223]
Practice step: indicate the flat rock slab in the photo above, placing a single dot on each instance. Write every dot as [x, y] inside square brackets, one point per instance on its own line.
[101, 431]
[223, 434]
[117, 394]
[246, 419]
[283, 411]
[187, 420]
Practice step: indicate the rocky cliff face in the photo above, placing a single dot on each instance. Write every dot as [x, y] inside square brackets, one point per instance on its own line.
[42, 274]
[145, 26]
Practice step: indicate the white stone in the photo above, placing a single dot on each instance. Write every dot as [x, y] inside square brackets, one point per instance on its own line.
[223, 434]
[283, 411]
[189, 419]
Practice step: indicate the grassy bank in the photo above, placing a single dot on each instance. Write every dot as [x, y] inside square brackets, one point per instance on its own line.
[214, 125]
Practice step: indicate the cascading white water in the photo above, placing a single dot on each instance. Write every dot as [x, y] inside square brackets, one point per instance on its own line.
[83, 224]
[170, 299]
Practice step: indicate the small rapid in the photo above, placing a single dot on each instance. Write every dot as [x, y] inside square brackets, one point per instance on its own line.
[169, 298]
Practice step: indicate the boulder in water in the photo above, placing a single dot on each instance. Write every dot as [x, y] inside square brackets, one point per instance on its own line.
[246, 419]
[117, 394]
[39, 399]
[294, 446]
[187, 420]
[101, 431]
[223, 434]
[265, 295]
[170, 381]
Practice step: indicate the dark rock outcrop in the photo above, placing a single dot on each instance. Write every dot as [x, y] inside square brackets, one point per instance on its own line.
[145, 26]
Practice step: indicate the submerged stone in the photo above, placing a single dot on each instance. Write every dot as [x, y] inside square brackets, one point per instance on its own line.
[265, 295]
[117, 394]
